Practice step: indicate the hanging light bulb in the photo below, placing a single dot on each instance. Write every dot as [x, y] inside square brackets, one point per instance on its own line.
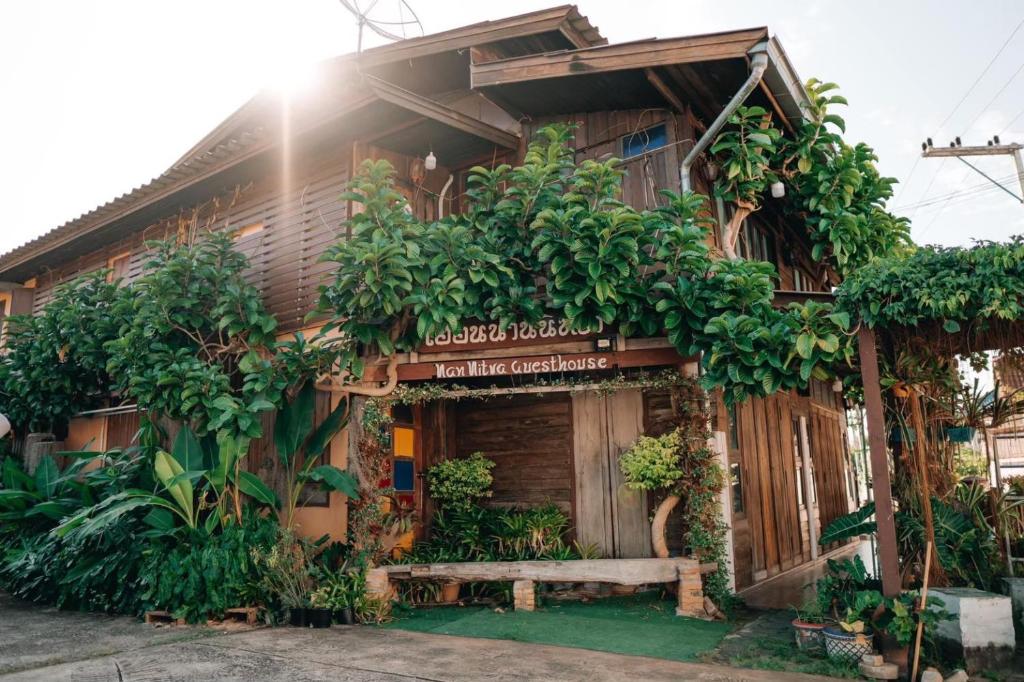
[430, 163]
[778, 189]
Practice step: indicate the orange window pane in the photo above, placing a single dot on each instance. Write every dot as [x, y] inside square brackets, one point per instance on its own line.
[403, 438]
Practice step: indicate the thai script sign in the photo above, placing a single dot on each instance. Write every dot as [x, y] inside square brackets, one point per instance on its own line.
[491, 335]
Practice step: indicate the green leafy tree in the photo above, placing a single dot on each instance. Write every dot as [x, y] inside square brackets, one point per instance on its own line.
[56, 362]
[197, 343]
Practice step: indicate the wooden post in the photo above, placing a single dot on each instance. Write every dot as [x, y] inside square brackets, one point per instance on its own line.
[809, 502]
[923, 480]
[887, 549]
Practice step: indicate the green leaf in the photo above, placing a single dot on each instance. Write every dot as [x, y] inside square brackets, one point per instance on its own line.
[167, 469]
[187, 450]
[951, 326]
[46, 477]
[328, 428]
[332, 478]
[805, 345]
[294, 423]
[250, 484]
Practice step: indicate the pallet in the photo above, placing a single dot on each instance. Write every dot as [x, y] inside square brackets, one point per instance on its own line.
[247, 614]
[162, 618]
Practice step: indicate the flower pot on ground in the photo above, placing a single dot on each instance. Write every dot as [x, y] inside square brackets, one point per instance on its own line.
[808, 625]
[450, 592]
[345, 616]
[960, 434]
[318, 618]
[841, 645]
[297, 617]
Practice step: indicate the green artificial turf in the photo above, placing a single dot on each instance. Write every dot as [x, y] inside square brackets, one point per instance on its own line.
[642, 625]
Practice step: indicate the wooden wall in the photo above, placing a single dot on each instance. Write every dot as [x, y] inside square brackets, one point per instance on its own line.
[529, 437]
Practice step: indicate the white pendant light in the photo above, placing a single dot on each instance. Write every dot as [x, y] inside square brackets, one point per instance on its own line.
[5, 426]
[778, 189]
[430, 163]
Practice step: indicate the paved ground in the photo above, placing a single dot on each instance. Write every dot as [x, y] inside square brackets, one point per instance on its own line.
[52, 646]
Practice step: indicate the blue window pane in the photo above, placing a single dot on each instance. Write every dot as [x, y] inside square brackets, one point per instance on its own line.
[644, 141]
[405, 475]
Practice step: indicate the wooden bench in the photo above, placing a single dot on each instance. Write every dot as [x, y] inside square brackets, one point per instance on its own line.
[525, 575]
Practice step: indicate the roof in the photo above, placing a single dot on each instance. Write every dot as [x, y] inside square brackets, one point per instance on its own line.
[559, 36]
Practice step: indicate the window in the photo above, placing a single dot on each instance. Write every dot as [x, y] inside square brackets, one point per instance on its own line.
[247, 230]
[734, 432]
[799, 463]
[736, 483]
[5, 310]
[801, 280]
[403, 450]
[644, 141]
[118, 266]
[756, 243]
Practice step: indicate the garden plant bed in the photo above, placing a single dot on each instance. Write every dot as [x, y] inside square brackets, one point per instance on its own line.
[644, 625]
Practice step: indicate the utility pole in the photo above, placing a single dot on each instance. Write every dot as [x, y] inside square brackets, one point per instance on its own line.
[993, 148]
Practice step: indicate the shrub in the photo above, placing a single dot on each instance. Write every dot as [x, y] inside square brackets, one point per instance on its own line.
[205, 575]
[55, 364]
[652, 463]
[456, 484]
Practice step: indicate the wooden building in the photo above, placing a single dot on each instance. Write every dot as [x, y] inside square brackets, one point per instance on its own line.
[272, 173]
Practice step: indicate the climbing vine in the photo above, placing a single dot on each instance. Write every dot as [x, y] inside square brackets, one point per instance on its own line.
[398, 282]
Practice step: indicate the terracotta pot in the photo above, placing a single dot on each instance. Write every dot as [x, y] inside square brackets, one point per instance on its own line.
[809, 636]
[450, 592]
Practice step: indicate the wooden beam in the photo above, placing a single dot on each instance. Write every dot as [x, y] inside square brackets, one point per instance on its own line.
[438, 112]
[608, 58]
[988, 150]
[618, 571]
[662, 87]
[888, 551]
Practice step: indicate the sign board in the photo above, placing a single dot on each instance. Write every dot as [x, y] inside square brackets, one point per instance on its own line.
[550, 363]
[481, 335]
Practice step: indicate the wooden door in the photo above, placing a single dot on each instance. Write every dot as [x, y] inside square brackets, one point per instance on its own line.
[529, 438]
[609, 514]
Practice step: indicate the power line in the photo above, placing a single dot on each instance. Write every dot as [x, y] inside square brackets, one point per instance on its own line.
[995, 97]
[940, 197]
[982, 74]
[967, 94]
[1008, 125]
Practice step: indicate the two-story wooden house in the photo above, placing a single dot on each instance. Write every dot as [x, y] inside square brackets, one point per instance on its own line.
[272, 174]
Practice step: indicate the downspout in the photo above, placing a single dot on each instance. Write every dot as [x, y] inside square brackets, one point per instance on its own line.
[758, 65]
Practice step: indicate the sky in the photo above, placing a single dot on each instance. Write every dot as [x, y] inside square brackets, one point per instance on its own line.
[99, 97]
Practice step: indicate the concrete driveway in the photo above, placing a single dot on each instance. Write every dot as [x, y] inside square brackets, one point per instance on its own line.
[44, 644]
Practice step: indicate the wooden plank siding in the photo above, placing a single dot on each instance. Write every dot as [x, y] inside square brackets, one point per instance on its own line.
[529, 437]
[298, 223]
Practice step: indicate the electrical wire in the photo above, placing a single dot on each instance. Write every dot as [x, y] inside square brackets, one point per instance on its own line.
[995, 97]
[982, 74]
[973, 189]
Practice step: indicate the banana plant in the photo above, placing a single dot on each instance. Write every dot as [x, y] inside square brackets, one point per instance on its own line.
[294, 434]
[49, 493]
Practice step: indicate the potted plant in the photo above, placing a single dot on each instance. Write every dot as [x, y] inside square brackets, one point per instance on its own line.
[287, 576]
[338, 593]
[849, 640]
[809, 624]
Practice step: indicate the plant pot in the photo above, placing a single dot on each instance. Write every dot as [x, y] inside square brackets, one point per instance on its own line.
[450, 592]
[894, 652]
[318, 618]
[809, 636]
[847, 646]
[297, 617]
[959, 434]
[345, 616]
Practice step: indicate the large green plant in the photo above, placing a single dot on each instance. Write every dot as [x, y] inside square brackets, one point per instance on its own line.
[197, 342]
[55, 363]
[295, 435]
[605, 264]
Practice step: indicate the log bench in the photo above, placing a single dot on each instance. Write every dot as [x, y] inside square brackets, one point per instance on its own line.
[524, 575]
